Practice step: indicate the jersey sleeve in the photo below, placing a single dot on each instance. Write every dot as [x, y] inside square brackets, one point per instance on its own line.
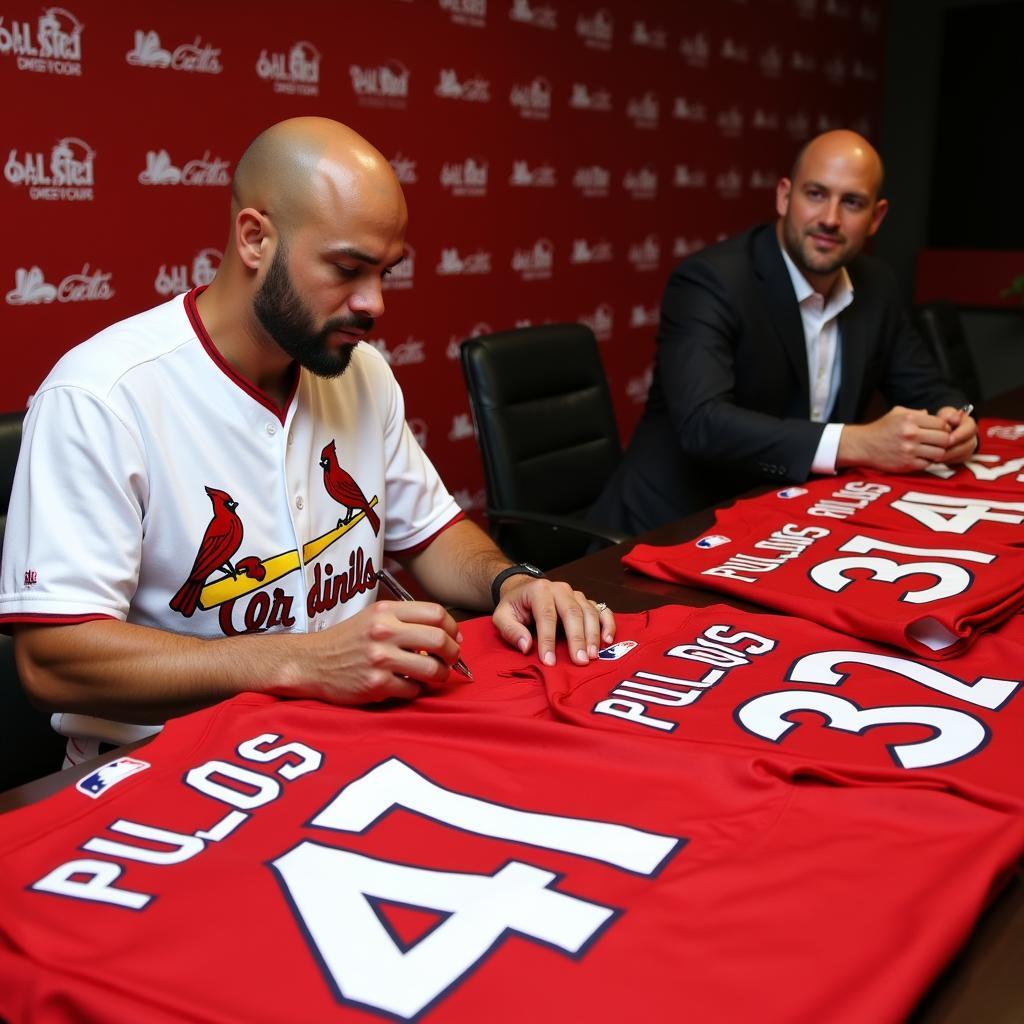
[77, 513]
[419, 505]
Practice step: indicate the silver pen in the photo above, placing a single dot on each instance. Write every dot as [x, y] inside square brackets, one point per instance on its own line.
[402, 594]
[967, 409]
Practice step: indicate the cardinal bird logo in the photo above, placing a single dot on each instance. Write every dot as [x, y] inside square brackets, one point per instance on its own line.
[344, 490]
[222, 539]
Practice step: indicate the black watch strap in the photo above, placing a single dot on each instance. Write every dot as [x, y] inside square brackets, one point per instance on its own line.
[519, 569]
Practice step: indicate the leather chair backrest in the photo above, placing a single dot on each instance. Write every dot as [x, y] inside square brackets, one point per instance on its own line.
[544, 419]
[940, 324]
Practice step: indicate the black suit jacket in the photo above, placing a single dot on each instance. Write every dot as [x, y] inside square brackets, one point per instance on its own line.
[729, 401]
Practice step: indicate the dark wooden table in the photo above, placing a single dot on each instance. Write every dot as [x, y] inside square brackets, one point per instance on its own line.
[984, 985]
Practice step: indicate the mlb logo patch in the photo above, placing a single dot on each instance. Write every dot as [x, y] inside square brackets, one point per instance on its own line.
[791, 492]
[96, 784]
[616, 650]
[713, 540]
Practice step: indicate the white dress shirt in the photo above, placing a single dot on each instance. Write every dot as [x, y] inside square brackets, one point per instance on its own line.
[820, 316]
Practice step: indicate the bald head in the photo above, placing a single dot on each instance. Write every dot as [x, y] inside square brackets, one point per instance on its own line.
[296, 166]
[847, 147]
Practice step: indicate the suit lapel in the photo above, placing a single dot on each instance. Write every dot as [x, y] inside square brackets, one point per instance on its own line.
[783, 311]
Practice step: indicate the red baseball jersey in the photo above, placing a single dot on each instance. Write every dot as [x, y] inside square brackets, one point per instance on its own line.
[995, 435]
[901, 503]
[775, 682]
[927, 595]
[269, 861]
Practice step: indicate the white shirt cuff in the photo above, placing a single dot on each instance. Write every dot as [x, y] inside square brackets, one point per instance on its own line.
[828, 450]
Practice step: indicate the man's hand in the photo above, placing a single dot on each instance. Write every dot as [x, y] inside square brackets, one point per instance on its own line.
[902, 441]
[963, 435]
[546, 603]
[387, 650]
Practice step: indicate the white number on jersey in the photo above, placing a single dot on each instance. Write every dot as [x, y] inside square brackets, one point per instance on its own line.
[949, 514]
[956, 733]
[333, 890]
[951, 580]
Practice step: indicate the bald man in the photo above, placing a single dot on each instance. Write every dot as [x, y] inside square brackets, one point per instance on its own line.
[206, 490]
[770, 347]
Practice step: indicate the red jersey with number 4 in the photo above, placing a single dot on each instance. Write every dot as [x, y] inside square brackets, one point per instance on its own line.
[902, 503]
[926, 595]
[269, 861]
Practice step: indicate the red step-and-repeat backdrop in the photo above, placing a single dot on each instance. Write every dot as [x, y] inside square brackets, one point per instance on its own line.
[559, 157]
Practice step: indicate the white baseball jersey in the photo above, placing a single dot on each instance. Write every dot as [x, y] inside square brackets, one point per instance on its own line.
[158, 487]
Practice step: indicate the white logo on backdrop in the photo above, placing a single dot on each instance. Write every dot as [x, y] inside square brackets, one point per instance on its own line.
[451, 263]
[532, 99]
[835, 70]
[601, 321]
[641, 183]
[646, 255]
[596, 30]
[195, 56]
[730, 123]
[771, 62]
[541, 176]
[173, 279]
[404, 168]
[295, 73]
[637, 387]
[406, 353]
[470, 501]
[644, 110]
[401, 276]
[468, 178]
[763, 179]
[32, 289]
[585, 252]
[806, 8]
[462, 427]
[69, 175]
[466, 12]
[696, 49]
[837, 9]
[593, 182]
[802, 61]
[683, 247]
[733, 51]
[869, 19]
[862, 72]
[386, 85]
[419, 430]
[643, 316]
[729, 183]
[798, 126]
[684, 110]
[472, 90]
[825, 123]
[206, 170]
[655, 38]
[583, 99]
[56, 48]
[686, 178]
[535, 264]
[533, 14]
[765, 121]
[455, 340]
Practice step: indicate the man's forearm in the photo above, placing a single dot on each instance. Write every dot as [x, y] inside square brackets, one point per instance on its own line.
[458, 567]
[138, 674]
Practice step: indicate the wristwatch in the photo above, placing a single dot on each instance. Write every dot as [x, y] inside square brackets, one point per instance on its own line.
[520, 569]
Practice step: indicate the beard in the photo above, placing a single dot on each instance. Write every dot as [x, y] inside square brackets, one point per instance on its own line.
[285, 317]
[799, 247]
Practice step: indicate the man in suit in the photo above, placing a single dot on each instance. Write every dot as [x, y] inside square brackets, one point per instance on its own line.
[770, 347]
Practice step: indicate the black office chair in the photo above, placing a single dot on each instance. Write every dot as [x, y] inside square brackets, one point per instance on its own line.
[29, 748]
[547, 436]
[940, 325]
